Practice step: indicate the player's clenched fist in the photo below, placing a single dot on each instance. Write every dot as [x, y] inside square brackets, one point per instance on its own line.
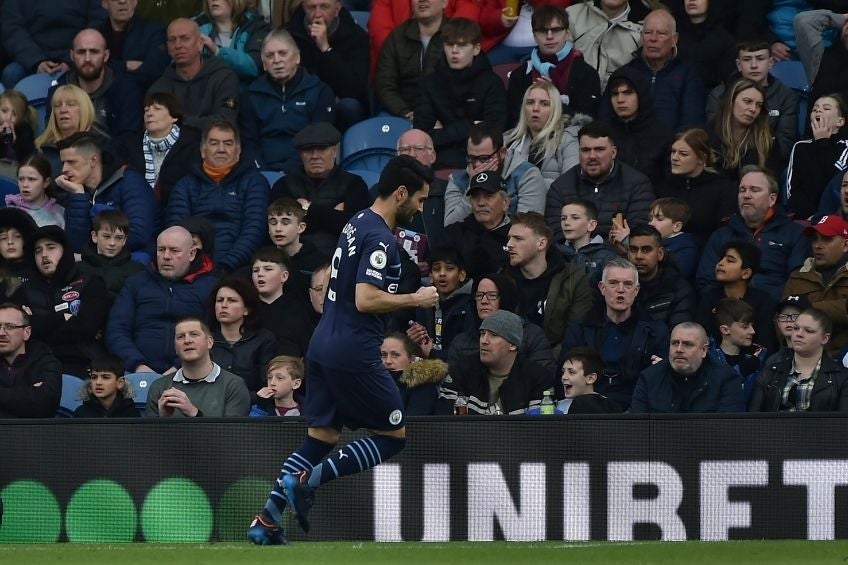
[427, 296]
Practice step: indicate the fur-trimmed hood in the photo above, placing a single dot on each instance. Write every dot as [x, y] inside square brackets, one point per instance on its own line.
[423, 372]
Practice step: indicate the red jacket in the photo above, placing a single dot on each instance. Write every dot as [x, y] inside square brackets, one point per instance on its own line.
[489, 18]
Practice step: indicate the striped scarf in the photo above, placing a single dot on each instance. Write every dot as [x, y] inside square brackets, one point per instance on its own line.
[148, 146]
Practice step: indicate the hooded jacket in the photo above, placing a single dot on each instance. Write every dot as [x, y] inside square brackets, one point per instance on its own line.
[68, 310]
[144, 316]
[21, 395]
[120, 188]
[457, 99]
[210, 95]
[644, 141]
[121, 408]
[344, 67]
[236, 207]
[624, 190]
[272, 114]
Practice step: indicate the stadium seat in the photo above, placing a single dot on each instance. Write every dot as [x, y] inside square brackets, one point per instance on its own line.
[361, 18]
[141, 384]
[370, 144]
[7, 186]
[272, 176]
[792, 74]
[370, 177]
[35, 87]
[70, 400]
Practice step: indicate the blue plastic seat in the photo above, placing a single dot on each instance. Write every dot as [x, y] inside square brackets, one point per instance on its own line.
[792, 74]
[272, 176]
[370, 177]
[370, 144]
[36, 86]
[361, 17]
[70, 400]
[140, 385]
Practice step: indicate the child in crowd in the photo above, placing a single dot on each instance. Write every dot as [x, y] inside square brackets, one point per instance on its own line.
[417, 379]
[286, 223]
[285, 376]
[578, 221]
[581, 369]
[738, 263]
[669, 216]
[33, 198]
[107, 254]
[453, 313]
[283, 312]
[17, 128]
[736, 347]
[16, 227]
[106, 393]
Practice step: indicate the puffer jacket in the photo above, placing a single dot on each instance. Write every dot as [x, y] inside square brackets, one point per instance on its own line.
[144, 316]
[236, 207]
[624, 190]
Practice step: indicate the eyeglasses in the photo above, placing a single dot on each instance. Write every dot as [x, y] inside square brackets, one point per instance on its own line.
[787, 317]
[491, 295]
[412, 149]
[479, 159]
[6, 327]
[556, 30]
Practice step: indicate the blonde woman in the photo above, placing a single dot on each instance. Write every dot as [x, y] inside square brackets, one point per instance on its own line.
[544, 135]
[71, 112]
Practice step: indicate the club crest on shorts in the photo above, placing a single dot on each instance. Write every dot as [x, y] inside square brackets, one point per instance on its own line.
[378, 259]
[395, 417]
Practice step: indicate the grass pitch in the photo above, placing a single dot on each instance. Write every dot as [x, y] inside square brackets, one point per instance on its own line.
[410, 553]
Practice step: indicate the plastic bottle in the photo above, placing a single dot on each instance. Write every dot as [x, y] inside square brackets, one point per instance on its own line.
[548, 408]
[460, 407]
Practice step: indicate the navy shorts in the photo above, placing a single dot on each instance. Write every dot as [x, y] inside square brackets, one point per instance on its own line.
[337, 398]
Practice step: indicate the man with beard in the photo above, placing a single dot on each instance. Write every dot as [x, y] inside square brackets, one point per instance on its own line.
[117, 100]
[349, 385]
[690, 380]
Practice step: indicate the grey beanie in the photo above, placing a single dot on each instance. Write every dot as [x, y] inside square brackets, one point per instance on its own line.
[505, 324]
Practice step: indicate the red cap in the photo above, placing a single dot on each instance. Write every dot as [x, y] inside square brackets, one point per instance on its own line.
[829, 226]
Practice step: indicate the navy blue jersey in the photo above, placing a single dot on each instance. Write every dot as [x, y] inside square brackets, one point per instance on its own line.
[366, 253]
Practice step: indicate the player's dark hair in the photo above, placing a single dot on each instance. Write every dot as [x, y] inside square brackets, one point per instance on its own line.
[403, 170]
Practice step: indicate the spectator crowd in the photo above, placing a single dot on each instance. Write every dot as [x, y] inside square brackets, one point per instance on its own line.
[630, 212]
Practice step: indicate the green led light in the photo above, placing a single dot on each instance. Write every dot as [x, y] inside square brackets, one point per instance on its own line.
[237, 507]
[31, 514]
[176, 510]
[101, 511]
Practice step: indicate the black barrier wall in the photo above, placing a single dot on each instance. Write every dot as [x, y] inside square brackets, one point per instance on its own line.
[671, 478]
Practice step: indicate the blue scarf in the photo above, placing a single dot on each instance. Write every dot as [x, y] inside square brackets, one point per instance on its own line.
[546, 68]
